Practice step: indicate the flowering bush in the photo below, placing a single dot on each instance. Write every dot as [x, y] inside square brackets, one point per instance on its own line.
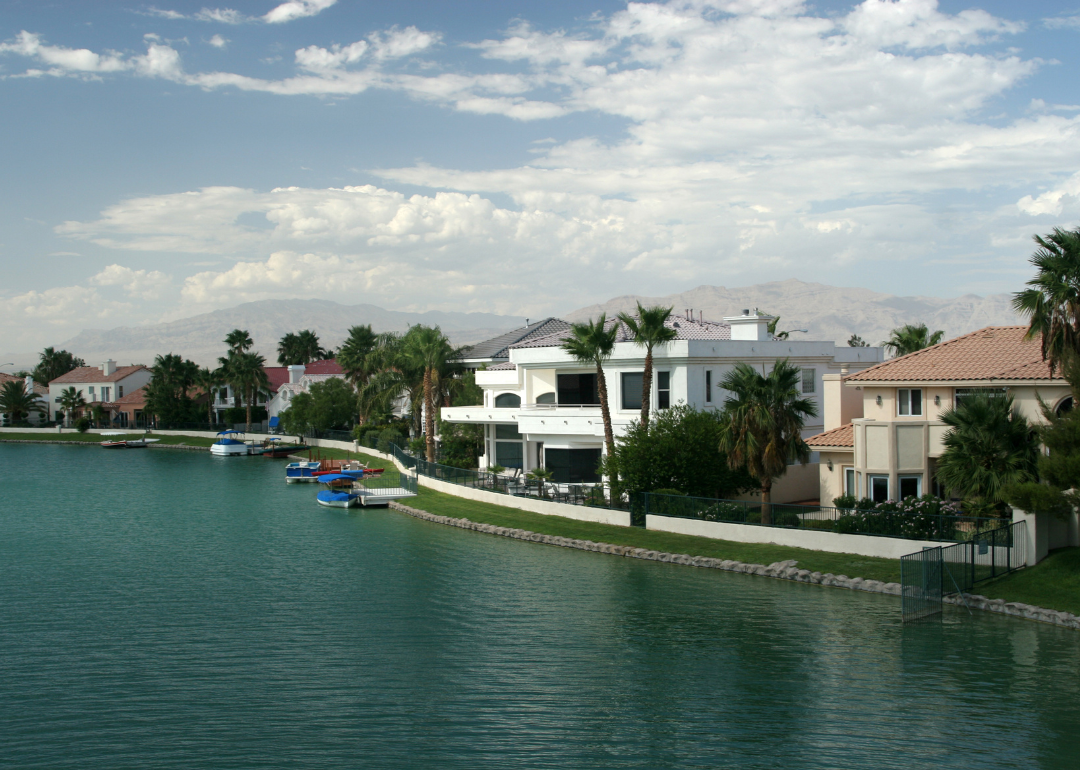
[920, 518]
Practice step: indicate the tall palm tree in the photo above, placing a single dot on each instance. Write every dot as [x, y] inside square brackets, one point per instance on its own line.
[988, 447]
[16, 402]
[428, 347]
[649, 329]
[53, 363]
[910, 338]
[761, 427]
[591, 343]
[208, 380]
[1052, 303]
[246, 376]
[288, 354]
[300, 348]
[72, 402]
[239, 341]
[355, 353]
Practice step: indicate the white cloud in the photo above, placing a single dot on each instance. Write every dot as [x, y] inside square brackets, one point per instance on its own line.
[221, 15]
[1054, 201]
[296, 9]
[1063, 22]
[63, 60]
[285, 12]
[218, 41]
[139, 284]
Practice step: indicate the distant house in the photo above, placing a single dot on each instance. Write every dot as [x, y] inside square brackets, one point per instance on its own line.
[129, 411]
[883, 433]
[40, 391]
[497, 350]
[275, 400]
[98, 384]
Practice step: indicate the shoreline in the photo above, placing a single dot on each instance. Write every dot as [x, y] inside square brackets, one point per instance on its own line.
[782, 570]
[98, 444]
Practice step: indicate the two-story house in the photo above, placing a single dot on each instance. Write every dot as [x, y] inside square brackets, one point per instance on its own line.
[98, 384]
[541, 407]
[883, 432]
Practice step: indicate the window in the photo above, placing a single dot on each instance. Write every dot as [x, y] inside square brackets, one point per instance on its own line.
[849, 482]
[507, 400]
[708, 386]
[90, 392]
[546, 398]
[959, 394]
[507, 432]
[105, 394]
[1065, 406]
[573, 466]
[909, 402]
[223, 394]
[632, 384]
[809, 378]
[910, 486]
[508, 446]
[578, 389]
[663, 390]
[119, 391]
[879, 488]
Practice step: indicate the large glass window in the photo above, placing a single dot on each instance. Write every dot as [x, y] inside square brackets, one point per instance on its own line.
[708, 386]
[879, 488]
[663, 390]
[508, 400]
[578, 389]
[507, 432]
[809, 378]
[573, 466]
[508, 454]
[910, 486]
[849, 481]
[959, 394]
[909, 401]
[632, 383]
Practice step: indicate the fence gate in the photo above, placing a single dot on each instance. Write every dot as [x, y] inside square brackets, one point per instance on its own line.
[921, 584]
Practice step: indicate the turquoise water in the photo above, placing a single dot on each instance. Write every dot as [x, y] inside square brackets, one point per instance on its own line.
[165, 609]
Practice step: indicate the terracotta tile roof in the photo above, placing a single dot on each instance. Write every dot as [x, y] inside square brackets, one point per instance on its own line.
[842, 436]
[993, 353]
[39, 389]
[685, 329]
[279, 375]
[94, 374]
[136, 397]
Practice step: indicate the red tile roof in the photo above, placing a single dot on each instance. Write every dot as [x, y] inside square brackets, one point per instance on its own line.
[94, 374]
[993, 353]
[39, 389]
[279, 375]
[843, 436]
[136, 397]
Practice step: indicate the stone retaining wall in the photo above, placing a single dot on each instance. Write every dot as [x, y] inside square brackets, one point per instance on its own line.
[784, 570]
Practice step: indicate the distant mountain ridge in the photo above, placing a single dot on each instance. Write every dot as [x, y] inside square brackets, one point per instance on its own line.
[828, 312]
[200, 337]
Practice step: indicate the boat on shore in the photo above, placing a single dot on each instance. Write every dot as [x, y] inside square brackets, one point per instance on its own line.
[275, 448]
[125, 443]
[227, 446]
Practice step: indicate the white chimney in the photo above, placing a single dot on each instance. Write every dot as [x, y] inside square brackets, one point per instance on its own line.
[296, 371]
[29, 385]
[750, 326]
[108, 367]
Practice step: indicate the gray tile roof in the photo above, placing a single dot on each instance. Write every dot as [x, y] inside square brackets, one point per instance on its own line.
[499, 347]
[685, 329]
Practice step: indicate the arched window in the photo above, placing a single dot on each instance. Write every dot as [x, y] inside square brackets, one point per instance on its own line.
[508, 400]
[546, 398]
[1065, 406]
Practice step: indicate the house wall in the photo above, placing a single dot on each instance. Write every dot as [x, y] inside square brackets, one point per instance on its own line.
[840, 405]
[831, 482]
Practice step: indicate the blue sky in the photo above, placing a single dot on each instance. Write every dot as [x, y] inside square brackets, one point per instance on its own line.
[165, 159]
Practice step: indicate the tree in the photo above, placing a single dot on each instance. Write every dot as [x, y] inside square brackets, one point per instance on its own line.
[855, 341]
[72, 402]
[17, 403]
[911, 337]
[591, 343]
[1052, 303]
[301, 348]
[99, 415]
[355, 353]
[989, 446]
[540, 475]
[428, 348]
[761, 427]
[239, 341]
[171, 377]
[772, 328]
[679, 449]
[649, 329]
[208, 381]
[333, 404]
[55, 363]
[246, 376]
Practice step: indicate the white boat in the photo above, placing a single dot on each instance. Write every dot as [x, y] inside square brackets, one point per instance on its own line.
[338, 492]
[125, 443]
[301, 472]
[227, 446]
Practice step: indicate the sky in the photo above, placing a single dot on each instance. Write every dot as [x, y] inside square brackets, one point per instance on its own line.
[167, 159]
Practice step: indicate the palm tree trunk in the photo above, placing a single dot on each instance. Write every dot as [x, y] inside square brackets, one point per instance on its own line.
[605, 413]
[766, 503]
[247, 405]
[429, 417]
[646, 387]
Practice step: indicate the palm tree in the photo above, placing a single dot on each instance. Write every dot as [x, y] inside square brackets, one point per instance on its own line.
[300, 348]
[287, 350]
[72, 402]
[541, 475]
[353, 355]
[239, 341]
[1053, 302]
[761, 427]
[988, 447]
[246, 376]
[855, 341]
[591, 343]
[16, 402]
[428, 347]
[55, 363]
[911, 337]
[649, 329]
[208, 380]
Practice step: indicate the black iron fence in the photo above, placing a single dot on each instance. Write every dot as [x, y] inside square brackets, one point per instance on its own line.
[879, 523]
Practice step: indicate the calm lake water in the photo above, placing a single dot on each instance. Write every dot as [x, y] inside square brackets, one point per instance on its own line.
[165, 609]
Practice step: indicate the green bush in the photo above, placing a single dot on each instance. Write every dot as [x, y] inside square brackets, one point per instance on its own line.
[417, 445]
[668, 492]
[724, 511]
[844, 502]
[82, 424]
[388, 437]
[779, 518]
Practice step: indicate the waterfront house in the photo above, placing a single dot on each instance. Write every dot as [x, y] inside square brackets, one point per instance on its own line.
[883, 433]
[40, 392]
[541, 407]
[298, 378]
[98, 384]
[497, 350]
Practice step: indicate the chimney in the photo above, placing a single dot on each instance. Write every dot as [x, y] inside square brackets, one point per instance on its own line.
[108, 367]
[29, 385]
[749, 327]
[296, 371]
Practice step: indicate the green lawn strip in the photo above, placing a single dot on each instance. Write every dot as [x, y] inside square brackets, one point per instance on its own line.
[869, 568]
[97, 438]
[1053, 583]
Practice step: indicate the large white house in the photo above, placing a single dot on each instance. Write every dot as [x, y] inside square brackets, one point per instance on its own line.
[98, 384]
[541, 406]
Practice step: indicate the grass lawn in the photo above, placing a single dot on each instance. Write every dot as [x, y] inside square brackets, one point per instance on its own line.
[96, 438]
[866, 567]
[1053, 583]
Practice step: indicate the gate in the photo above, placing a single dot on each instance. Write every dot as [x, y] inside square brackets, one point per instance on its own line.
[920, 584]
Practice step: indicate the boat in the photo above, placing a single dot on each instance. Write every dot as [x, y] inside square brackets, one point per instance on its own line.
[273, 447]
[302, 472]
[227, 446]
[125, 443]
[338, 492]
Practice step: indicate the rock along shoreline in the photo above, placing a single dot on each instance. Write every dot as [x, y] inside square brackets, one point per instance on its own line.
[783, 570]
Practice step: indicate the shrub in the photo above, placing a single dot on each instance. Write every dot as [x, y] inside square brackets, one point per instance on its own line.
[388, 437]
[844, 502]
[724, 512]
[82, 424]
[779, 518]
[668, 492]
[417, 445]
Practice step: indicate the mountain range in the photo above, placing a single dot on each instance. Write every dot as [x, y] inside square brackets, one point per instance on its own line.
[825, 312]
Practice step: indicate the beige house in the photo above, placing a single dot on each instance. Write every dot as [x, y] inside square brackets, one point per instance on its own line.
[883, 432]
